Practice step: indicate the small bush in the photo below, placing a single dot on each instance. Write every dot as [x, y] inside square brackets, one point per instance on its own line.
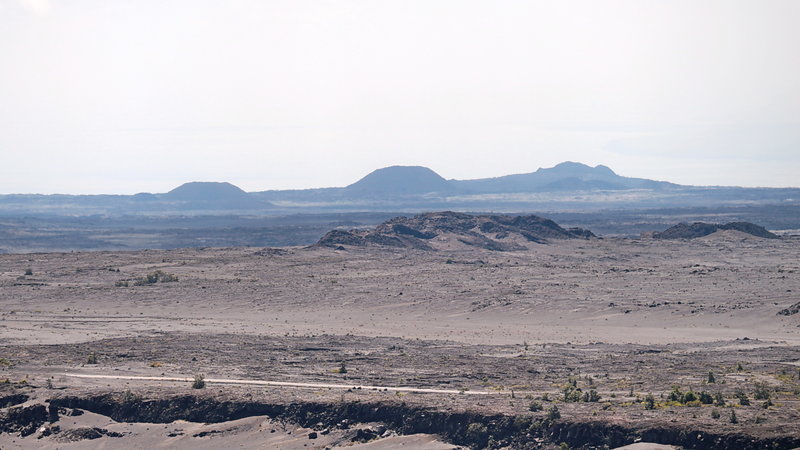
[706, 398]
[199, 382]
[733, 418]
[714, 414]
[572, 394]
[743, 400]
[649, 402]
[592, 396]
[28, 271]
[711, 378]
[91, 359]
[761, 391]
[155, 277]
[342, 368]
[535, 406]
[478, 433]
[719, 400]
[553, 413]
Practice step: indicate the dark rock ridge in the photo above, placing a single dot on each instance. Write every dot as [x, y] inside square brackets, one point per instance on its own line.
[467, 428]
[492, 232]
[700, 229]
[790, 311]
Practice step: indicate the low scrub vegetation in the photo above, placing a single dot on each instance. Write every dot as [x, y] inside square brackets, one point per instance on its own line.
[159, 276]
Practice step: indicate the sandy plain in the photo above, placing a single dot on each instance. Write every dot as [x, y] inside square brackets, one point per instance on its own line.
[493, 331]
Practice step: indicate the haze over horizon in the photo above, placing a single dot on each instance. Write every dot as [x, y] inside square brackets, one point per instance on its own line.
[119, 98]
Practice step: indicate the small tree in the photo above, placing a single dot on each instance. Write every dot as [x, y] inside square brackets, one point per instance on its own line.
[733, 418]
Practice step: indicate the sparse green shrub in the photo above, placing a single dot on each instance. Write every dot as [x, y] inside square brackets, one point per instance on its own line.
[649, 402]
[711, 378]
[535, 406]
[155, 277]
[714, 414]
[767, 404]
[675, 395]
[760, 419]
[743, 400]
[199, 381]
[478, 433]
[733, 418]
[719, 400]
[553, 413]
[739, 367]
[91, 359]
[342, 368]
[689, 397]
[572, 394]
[706, 398]
[128, 398]
[591, 396]
[761, 391]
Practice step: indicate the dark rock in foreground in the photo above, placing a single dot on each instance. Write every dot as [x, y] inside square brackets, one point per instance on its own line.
[790, 311]
[423, 231]
[700, 229]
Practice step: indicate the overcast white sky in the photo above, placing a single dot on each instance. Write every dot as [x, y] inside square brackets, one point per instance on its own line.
[112, 96]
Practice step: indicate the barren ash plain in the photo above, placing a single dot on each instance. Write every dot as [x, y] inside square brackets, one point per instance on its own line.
[438, 331]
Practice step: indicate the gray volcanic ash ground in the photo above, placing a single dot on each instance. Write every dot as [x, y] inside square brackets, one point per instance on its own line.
[491, 340]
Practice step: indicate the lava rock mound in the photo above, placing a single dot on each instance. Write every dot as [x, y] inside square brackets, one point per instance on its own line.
[444, 230]
[701, 229]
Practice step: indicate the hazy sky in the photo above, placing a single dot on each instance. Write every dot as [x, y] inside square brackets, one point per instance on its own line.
[112, 96]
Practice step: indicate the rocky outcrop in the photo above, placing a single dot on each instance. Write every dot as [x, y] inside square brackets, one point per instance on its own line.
[471, 429]
[790, 311]
[23, 420]
[491, 232]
